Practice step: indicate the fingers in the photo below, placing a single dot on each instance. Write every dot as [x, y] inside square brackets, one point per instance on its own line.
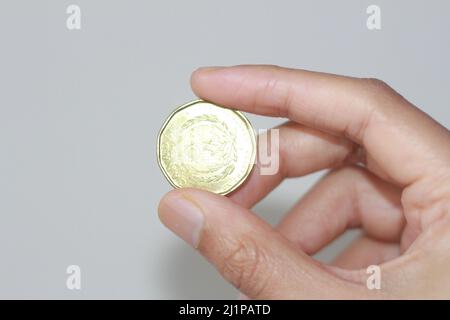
[400, 139]
[247, 252]
[365, 251]
[302, 150]
[422, 273]
[346, 198]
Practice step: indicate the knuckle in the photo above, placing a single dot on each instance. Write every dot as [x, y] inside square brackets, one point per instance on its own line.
[428, 200]
[378, 93]
[375, 84]
[245, 266]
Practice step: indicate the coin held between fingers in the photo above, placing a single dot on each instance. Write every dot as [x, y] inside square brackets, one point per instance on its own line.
[206, 146]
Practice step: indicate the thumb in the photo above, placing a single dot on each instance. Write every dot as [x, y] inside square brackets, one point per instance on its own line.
[247, 251]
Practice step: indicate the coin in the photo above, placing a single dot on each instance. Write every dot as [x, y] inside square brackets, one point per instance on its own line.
[206, 146]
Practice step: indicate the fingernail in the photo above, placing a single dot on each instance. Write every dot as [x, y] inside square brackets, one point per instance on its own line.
[211, 68]
[184, 217]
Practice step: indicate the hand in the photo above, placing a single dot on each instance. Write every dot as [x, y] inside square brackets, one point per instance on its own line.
[390, 176]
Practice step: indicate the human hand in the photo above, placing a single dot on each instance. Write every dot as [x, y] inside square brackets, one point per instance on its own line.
[390, 176]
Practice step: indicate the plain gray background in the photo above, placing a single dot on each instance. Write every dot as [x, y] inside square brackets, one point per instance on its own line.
[80, 112]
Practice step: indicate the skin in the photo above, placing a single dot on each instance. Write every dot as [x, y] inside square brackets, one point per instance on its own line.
[389, 174]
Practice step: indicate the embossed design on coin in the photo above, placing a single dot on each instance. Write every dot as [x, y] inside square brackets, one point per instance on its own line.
[206, 146]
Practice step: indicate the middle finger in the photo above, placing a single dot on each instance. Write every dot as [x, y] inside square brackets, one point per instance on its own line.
[302, 150]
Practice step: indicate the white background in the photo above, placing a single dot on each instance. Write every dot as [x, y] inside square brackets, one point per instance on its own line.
[80, 112]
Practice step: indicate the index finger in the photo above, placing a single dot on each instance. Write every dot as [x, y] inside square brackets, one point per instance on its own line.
[402, 140]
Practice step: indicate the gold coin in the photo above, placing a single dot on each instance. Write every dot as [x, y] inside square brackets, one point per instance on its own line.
[205, 146]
